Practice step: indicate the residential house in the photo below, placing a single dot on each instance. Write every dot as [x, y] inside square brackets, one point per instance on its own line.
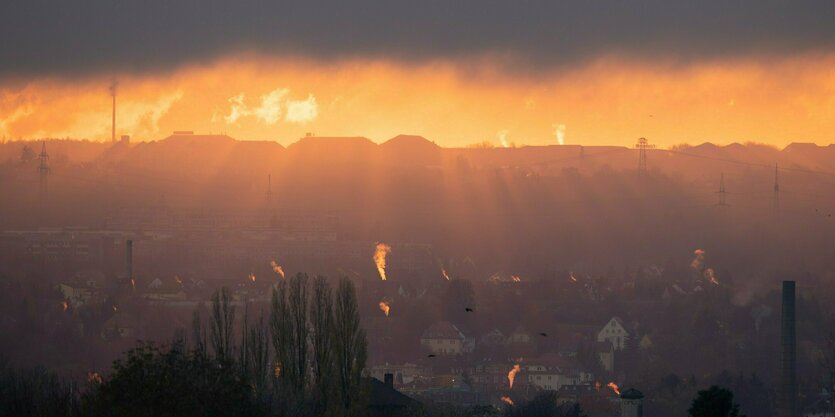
[605, 352]
[443, 338]
[615, 333]
[551, 371]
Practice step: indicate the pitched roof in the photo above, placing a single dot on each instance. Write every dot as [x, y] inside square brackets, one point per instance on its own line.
[632, 394]
[554, 360]
[384, 396]
[442, 330]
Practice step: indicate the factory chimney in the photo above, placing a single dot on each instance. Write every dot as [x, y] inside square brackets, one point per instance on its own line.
[787, 398]
[113, 86]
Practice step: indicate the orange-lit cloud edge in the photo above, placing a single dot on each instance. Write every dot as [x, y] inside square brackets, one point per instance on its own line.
[607, 101]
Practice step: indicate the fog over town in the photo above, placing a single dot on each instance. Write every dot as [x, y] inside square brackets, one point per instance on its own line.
[483, 276]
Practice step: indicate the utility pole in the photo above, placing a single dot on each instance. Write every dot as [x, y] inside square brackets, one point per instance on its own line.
[113, 86]
[269, 195]
[721, 192]
[43, 170]
[642, 146]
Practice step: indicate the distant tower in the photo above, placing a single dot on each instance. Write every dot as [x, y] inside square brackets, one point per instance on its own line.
[129, 259]
[642, 146]
[43, 170]
[269, 194]
[113, 86]
[582, 152]
[721, 192]
[776, 202]
[787, 395]
[632, 403]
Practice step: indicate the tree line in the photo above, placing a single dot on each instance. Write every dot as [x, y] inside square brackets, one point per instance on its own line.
[304, 357]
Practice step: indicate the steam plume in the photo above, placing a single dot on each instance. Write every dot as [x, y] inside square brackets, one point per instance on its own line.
[385, 306]
[711, 276]
[614, 387]
[511, 376]
[302, 111]
[698, 264]
[502, 135]
[699, 260]
[277, 268]
[507, 400]
[559, 132]
[94, 377]
[380, 258]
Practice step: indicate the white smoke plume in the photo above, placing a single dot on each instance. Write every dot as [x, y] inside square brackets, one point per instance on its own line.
[237, 109]
[271, 108]
[559, 133]
[502, 135]
[302, 111]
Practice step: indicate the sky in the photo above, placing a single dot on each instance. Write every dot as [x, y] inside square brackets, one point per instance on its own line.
[458, 73]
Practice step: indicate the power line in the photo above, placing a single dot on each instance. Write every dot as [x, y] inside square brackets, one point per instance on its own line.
[755, 164]
[776, 203]
[582, 156]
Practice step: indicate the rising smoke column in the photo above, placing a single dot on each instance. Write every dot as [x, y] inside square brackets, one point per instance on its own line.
[511, 376]
[385, 306]
[710, 276]
[698, 263]
[380, 253]
[559, 133]
[277, 268]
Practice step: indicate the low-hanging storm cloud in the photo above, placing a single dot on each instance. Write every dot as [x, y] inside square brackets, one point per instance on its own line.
[86, 37]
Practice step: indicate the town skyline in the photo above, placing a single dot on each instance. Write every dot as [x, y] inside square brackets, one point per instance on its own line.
[469, 208]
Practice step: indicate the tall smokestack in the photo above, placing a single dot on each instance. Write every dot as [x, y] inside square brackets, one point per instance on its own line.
[787, 398]
[113, 87]
[129, 253]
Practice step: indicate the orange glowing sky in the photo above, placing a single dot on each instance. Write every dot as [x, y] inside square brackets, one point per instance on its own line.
[609, 101]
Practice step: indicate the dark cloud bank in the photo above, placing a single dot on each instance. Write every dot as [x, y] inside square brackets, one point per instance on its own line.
[78, 36]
